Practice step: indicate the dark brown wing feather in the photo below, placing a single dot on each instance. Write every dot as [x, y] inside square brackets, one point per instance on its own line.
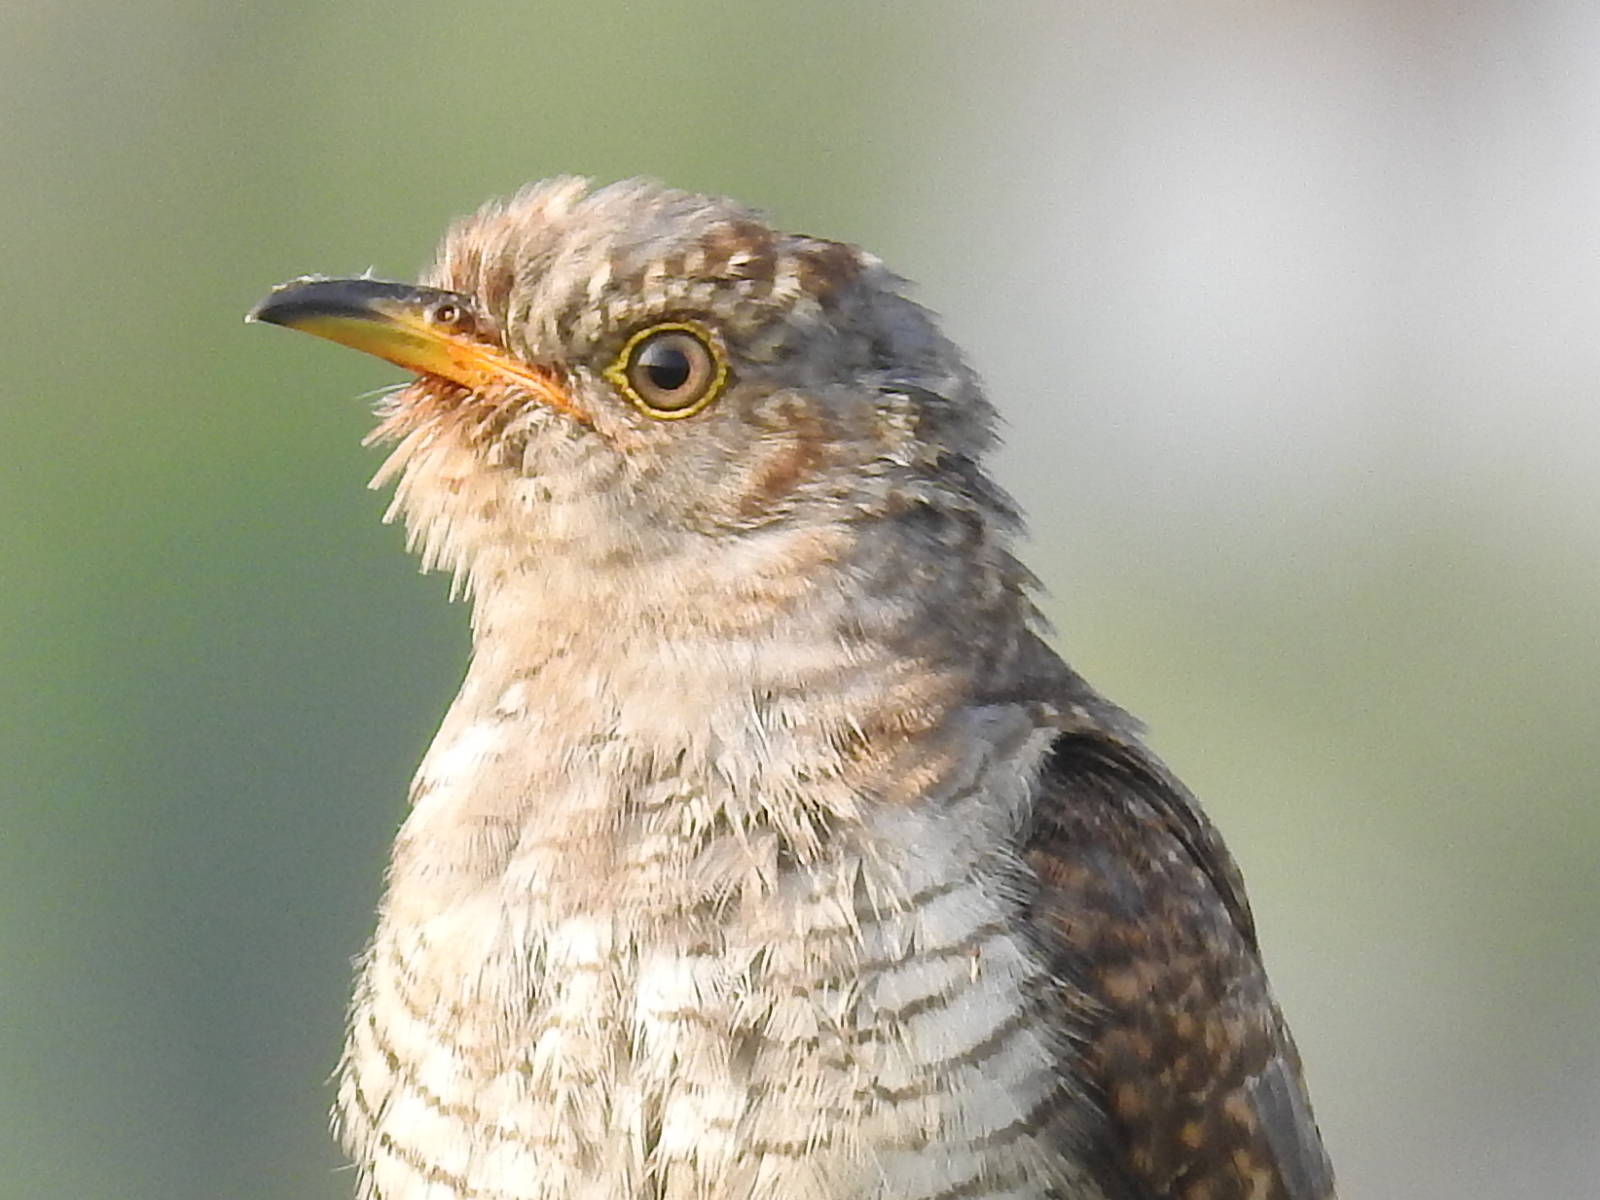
[1144, 915]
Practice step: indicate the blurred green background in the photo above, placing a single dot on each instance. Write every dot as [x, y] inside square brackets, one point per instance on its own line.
[1293, 312]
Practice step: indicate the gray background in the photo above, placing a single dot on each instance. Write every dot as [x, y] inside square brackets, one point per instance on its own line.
[1294, 311]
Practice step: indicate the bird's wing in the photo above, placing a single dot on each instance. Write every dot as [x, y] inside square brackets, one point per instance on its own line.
[1151, 940]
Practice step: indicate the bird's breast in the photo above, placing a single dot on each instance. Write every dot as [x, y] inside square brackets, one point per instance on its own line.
[718, 1018]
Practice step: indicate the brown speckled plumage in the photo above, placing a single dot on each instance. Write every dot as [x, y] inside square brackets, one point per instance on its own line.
[1143, 910]
[768, 853]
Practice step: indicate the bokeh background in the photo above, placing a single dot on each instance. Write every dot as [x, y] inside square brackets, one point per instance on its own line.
[1294, 311]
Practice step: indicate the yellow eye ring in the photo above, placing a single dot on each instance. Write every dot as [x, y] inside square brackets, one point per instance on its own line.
[670, 371]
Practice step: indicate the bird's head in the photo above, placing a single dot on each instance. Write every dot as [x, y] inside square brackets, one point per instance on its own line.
[612, 375]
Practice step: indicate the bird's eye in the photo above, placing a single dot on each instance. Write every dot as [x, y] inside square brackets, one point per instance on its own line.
[451, 316]
[670, 371]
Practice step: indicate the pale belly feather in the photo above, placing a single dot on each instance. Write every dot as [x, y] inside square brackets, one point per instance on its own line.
[872, 1024]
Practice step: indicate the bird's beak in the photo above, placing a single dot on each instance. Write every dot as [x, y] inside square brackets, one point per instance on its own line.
[426, 330]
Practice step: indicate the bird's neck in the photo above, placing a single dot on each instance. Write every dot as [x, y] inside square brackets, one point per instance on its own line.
[617, 723]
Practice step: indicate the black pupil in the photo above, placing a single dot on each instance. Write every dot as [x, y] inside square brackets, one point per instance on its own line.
[665, 364]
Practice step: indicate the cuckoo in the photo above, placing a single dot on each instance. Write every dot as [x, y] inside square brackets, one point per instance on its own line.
[768, 851]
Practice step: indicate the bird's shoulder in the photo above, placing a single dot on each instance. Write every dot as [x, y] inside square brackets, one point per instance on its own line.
[1141, 910]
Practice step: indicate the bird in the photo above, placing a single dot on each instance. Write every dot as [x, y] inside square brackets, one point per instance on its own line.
[769, 850]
